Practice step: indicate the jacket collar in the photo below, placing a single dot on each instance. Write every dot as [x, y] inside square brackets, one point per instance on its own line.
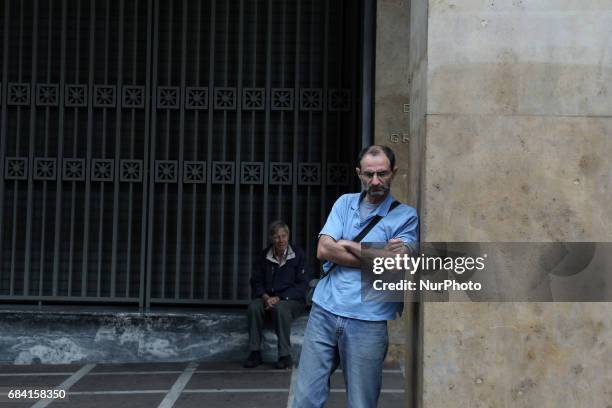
[289, 254]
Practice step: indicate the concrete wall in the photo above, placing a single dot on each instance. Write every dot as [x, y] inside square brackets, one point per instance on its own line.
[509, 139]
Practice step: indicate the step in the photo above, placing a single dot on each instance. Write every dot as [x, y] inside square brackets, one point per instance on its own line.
[68, 335]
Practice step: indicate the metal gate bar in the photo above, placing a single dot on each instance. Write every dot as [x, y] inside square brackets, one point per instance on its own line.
[209, 150]
[236, 219]
[31, 147]
[3, 134]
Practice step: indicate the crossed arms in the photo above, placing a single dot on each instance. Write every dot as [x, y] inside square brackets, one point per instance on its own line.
[348, 253]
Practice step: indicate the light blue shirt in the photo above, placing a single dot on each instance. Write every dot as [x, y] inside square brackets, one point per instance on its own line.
[340, 291]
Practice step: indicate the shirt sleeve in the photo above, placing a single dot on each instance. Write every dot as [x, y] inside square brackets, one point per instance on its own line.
[408, 232]
[336, 219]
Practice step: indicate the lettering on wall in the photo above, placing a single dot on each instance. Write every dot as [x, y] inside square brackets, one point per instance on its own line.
[401, 136]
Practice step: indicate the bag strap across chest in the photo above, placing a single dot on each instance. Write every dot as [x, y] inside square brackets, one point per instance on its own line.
[375, 220]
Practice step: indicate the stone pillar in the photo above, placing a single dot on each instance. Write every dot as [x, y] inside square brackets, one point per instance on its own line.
[512, 102]
[508, 140]
[391, 115]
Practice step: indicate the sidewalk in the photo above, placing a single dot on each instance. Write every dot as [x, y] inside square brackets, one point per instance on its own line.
[168, 385]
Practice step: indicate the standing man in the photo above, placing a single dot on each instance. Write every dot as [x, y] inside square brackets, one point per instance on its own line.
[341, 328]
[278, 285]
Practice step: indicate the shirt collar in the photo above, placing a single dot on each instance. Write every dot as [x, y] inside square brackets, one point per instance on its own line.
[382, 209]
[289, 254]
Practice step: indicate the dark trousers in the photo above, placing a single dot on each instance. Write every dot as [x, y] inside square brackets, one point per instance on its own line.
[282, 315]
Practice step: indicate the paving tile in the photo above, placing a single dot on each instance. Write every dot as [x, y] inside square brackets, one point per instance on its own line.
[234, 400]
[264, 376]
[389, 381]
[338, 400]
[31, 381]
[139, 367]
[220, 365]
[98, 401]
[39, 368]
[235, 365]
[273, 379]
[393, 381]
[125, 382]
[4, 403]
[392, 400]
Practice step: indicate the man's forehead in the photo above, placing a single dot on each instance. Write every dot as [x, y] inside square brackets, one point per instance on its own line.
[380, 162]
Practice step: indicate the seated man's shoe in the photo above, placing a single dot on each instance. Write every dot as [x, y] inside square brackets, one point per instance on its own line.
[253, 360]
[284, 362]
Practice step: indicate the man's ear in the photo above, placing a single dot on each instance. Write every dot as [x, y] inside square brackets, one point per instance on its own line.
[358, 170]
[395, 170]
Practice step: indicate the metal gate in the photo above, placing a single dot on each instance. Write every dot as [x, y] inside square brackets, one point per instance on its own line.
[145, 145]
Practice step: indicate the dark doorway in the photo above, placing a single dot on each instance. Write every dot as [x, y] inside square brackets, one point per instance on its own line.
[145, 145]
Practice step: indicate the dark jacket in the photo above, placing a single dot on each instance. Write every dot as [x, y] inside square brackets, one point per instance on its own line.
[288, 281]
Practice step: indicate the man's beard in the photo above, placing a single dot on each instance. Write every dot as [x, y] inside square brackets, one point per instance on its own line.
[379, 192]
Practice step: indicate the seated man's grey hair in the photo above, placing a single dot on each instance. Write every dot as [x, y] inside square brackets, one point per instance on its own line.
[276, 225]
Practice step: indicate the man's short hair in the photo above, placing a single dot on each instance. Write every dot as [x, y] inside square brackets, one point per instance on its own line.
[375, 150]
[276, 225]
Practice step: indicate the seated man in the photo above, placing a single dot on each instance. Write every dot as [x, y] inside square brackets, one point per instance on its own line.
[278, 286]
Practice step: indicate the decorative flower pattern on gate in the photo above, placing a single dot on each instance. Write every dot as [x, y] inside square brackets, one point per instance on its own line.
[166, 171]
[133, 96]
[280, 173]
[16, 168]
[339, 100]
[104, 96]
[18, 94]
[311, 99]
[73, 170]
[102, 170]
[194, 172]
[337, 174]
[309, 174]
[253, 98]
[223, 172]
[225, 98]
[168, 97]
[282, 99]
[130, 171]
[196, 97]
[44, 168]
[47, 95]
[251, 172]
[171, 97]
[75, 96]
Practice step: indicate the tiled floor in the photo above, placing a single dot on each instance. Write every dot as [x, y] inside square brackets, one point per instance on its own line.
[220, 385]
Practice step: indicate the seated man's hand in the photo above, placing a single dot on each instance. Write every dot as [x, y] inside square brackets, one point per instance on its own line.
[271, 301]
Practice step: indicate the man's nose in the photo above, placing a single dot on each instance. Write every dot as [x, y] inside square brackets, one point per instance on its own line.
[375, 179]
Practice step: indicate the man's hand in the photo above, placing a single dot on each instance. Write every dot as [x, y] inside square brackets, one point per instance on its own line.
[270, 301]
[392, 248]
[396, 246]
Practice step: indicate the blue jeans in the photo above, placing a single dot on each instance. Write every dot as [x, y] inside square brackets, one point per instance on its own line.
[359, 345]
